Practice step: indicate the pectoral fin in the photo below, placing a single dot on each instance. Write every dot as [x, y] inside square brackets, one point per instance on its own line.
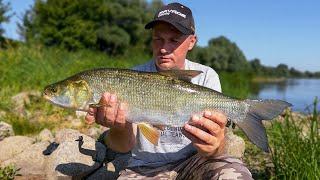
[151, 133]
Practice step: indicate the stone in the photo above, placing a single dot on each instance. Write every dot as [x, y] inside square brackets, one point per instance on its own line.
[94, 132]
[235, 145]
[2, 114]
[71, 160]
[13, 145]
[5, 130]
[45, 135]
[81, 114]
[76, 123]
[68, 135]
[31, 161]
[20, 100]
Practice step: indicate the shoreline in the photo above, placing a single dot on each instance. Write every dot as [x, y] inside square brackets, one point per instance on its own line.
[268, 79]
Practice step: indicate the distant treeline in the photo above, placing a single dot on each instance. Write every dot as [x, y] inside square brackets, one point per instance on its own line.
[117, 27]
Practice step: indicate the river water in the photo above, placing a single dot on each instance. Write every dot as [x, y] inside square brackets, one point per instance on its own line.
[299, 92]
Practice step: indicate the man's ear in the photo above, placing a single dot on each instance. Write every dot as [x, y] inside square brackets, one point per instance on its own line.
[193, 41]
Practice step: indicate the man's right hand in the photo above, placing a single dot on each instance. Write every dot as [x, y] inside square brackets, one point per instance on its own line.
[112, 114]
[121, 136]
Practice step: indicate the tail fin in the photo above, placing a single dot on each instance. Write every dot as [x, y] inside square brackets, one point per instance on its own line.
[260, 110]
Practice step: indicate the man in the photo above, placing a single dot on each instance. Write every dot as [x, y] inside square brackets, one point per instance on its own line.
[192, 152]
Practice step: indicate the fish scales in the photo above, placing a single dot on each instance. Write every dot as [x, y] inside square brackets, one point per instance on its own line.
[158, 99]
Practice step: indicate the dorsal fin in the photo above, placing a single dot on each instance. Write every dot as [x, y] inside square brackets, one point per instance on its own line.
[185, 75]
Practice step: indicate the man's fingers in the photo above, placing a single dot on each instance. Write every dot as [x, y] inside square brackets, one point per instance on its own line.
[121, 115]
[201, 146]
[90, 117]
[101, 110]
[111, 110]
[205, 124]
[198, 133]
[217, 117]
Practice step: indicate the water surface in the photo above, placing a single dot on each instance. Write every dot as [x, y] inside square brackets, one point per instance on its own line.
[299, 92]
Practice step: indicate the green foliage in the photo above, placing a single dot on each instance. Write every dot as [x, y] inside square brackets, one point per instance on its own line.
[107, 25]
[222, 55]
[4, 17]
[235, 84]
[27, 68]
[32, 68]
[8, 172]
[23, 126]
[296, 147]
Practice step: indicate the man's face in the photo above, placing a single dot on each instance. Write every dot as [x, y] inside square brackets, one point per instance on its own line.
[170, 46]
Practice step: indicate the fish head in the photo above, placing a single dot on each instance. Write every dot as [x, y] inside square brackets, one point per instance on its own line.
[72, 94]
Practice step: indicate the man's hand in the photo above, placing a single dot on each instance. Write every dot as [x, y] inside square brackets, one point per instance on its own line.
[112, 114]
[207, 133]
[121, 136]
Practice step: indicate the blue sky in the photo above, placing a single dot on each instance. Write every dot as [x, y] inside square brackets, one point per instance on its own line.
[286, 31]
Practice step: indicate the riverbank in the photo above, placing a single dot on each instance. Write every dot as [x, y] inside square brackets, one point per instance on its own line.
[268, 79]
[33, 118]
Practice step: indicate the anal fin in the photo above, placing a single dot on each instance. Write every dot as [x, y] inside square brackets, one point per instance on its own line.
[151, 133]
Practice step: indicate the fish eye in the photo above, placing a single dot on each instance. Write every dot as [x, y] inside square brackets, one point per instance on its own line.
[53, 89]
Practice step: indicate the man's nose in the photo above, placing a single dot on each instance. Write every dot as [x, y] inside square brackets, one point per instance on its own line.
[165, 49]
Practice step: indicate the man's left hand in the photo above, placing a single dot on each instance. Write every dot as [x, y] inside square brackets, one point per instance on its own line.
[207, 133]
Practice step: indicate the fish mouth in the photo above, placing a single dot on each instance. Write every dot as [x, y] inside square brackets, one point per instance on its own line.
[46, 97]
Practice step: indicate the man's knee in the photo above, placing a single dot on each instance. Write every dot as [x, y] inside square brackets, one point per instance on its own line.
[231, 171]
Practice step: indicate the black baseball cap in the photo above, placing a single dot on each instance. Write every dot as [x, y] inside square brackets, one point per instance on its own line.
[176, 14]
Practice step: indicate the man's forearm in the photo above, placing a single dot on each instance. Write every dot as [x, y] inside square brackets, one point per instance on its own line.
[120, 140]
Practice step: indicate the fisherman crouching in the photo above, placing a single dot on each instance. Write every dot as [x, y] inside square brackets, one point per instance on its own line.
[195, 151]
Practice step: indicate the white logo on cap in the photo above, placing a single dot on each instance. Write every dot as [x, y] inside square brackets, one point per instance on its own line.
[169, 11]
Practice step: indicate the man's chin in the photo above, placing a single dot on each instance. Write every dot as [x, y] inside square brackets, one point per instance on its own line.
[164, 66]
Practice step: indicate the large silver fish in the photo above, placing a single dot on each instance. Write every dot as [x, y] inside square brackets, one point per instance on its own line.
[164, 99]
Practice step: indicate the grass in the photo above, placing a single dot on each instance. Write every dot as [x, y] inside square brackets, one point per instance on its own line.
[8, 172]
[235, 84]
[296, 147]
[27, 68]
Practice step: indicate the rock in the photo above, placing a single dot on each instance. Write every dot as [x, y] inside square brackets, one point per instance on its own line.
[235, 145]
[31, 177]
[68, 135]
[21, 99]
[45, 135]
[94, 132]
[2, 114]
[13, 145]
[5, 130]
[81, 114]
[69, 160]
[76, 123]
[31, 161]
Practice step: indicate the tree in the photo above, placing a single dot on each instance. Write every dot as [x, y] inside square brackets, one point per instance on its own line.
[221, 54]
[295, 73]
[4, 17]
[256, 66]
[108, 25]
[282, 70]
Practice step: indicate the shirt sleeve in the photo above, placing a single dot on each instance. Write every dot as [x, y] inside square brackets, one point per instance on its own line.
[212, 80]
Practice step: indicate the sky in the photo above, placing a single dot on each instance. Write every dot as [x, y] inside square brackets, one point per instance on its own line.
[286, 31]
